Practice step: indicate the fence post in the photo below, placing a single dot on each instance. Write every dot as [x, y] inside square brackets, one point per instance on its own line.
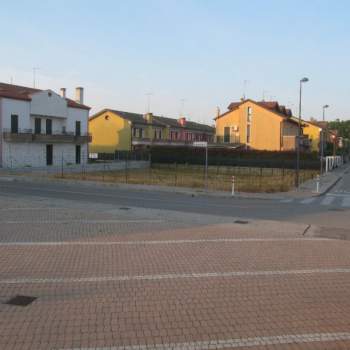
[62, 164]
[175, 174]
[233, 186]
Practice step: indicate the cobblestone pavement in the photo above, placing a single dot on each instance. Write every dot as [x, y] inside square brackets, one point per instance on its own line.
[106, 277]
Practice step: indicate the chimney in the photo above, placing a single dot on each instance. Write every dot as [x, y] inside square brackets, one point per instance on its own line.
[79, 95]
[148, 117]
[182, 121]
[217, 111]
[63, 92]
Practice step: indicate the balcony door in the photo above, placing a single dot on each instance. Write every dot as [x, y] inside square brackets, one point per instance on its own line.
[14, 124]
[77, 128]
[227, 134]
[48, 127]
[37, 126]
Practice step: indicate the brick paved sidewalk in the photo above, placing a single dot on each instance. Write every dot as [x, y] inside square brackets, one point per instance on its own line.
[109, 283]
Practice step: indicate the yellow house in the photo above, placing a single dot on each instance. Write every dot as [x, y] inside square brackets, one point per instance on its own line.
[313, 130]
[114, 130]
[258, 125]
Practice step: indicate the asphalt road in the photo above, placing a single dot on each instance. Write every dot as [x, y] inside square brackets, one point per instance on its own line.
[330, 210]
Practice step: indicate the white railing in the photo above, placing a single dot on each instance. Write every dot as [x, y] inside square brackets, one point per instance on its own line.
[333, 162]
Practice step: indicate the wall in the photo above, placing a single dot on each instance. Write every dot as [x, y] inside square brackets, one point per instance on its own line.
[109, 133]
[77, 114]
[18, 155]
[265, 126]
[313, 132]
[48, 103]
[21, 108]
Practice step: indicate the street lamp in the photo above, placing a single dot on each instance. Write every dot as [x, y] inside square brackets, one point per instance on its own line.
[297, 170]
[322, 136]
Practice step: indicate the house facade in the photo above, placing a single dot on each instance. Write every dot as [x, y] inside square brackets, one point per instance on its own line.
[40, 128]
[114, 130]
[258, 125]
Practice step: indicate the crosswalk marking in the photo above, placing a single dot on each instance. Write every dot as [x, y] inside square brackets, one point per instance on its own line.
[327, 200]
[308, 200]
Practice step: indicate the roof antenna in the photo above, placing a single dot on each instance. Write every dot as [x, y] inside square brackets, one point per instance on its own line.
[182, 107]
[34, 75]
[149, 94]
[11, 80]
[263, 94]
[245, 82]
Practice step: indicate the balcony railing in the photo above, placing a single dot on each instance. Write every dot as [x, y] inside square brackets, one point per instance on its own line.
[161, 142]
[230, 140]
[27, 135]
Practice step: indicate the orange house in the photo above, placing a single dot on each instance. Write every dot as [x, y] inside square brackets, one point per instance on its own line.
[264, 125]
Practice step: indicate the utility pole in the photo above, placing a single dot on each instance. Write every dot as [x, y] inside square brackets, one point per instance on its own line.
[322, 137]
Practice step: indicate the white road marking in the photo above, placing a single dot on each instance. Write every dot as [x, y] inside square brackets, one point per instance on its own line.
[81, 221]
[286, 200]
[34, 208]
[346, 202]
[308, 200]
[328, 200]
[233, 343]
[165, 242]
[171, 276]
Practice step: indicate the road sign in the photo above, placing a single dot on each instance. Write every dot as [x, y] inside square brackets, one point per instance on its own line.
[200, 144]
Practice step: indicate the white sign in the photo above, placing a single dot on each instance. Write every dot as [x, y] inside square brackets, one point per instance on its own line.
[93, 155]
[200, 144]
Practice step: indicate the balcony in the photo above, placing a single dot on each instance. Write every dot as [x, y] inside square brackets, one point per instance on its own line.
[227, 140]
[26, 135]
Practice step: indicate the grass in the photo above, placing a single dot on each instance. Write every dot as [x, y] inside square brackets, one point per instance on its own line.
[219, 178]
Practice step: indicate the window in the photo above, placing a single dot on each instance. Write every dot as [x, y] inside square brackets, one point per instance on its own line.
[37, 126]
[173, 135]
[14, 124]
[77, 128]
[48, 127]
[157, 134]
[249, 114]
[248, 133]
[227, 134]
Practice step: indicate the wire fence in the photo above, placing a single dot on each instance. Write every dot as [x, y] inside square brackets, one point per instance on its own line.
[218, 178]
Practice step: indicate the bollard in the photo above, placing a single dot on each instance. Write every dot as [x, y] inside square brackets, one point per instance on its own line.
[233, 186]
[318, 184]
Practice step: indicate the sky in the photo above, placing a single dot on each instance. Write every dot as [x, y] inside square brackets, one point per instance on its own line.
[187, 56]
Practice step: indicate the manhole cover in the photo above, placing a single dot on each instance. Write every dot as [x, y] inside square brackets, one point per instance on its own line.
[124, 208]
[21, 300]
[242, 222]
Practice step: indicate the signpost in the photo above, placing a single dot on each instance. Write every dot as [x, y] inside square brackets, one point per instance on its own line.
[204, 144]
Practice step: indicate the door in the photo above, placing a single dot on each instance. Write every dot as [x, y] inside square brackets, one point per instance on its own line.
[37, 126]
[226, 134]
[77, 154]
[48, 126]
[14, 124]
[49, 154]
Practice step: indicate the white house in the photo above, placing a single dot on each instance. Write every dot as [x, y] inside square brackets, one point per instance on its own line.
[42, 128]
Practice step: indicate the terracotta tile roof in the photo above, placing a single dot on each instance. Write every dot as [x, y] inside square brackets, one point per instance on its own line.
[137, 118]
[24, 93]
[270, 105]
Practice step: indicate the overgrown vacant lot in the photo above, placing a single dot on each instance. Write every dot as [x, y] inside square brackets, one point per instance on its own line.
[219, 177]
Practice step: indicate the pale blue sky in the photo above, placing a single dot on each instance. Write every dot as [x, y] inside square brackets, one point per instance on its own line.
[197, 50]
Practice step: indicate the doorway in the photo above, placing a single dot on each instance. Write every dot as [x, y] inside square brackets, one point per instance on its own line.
[49, 154]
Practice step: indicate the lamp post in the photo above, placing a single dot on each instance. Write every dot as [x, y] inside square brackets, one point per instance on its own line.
[297, 169]
[322, 136]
